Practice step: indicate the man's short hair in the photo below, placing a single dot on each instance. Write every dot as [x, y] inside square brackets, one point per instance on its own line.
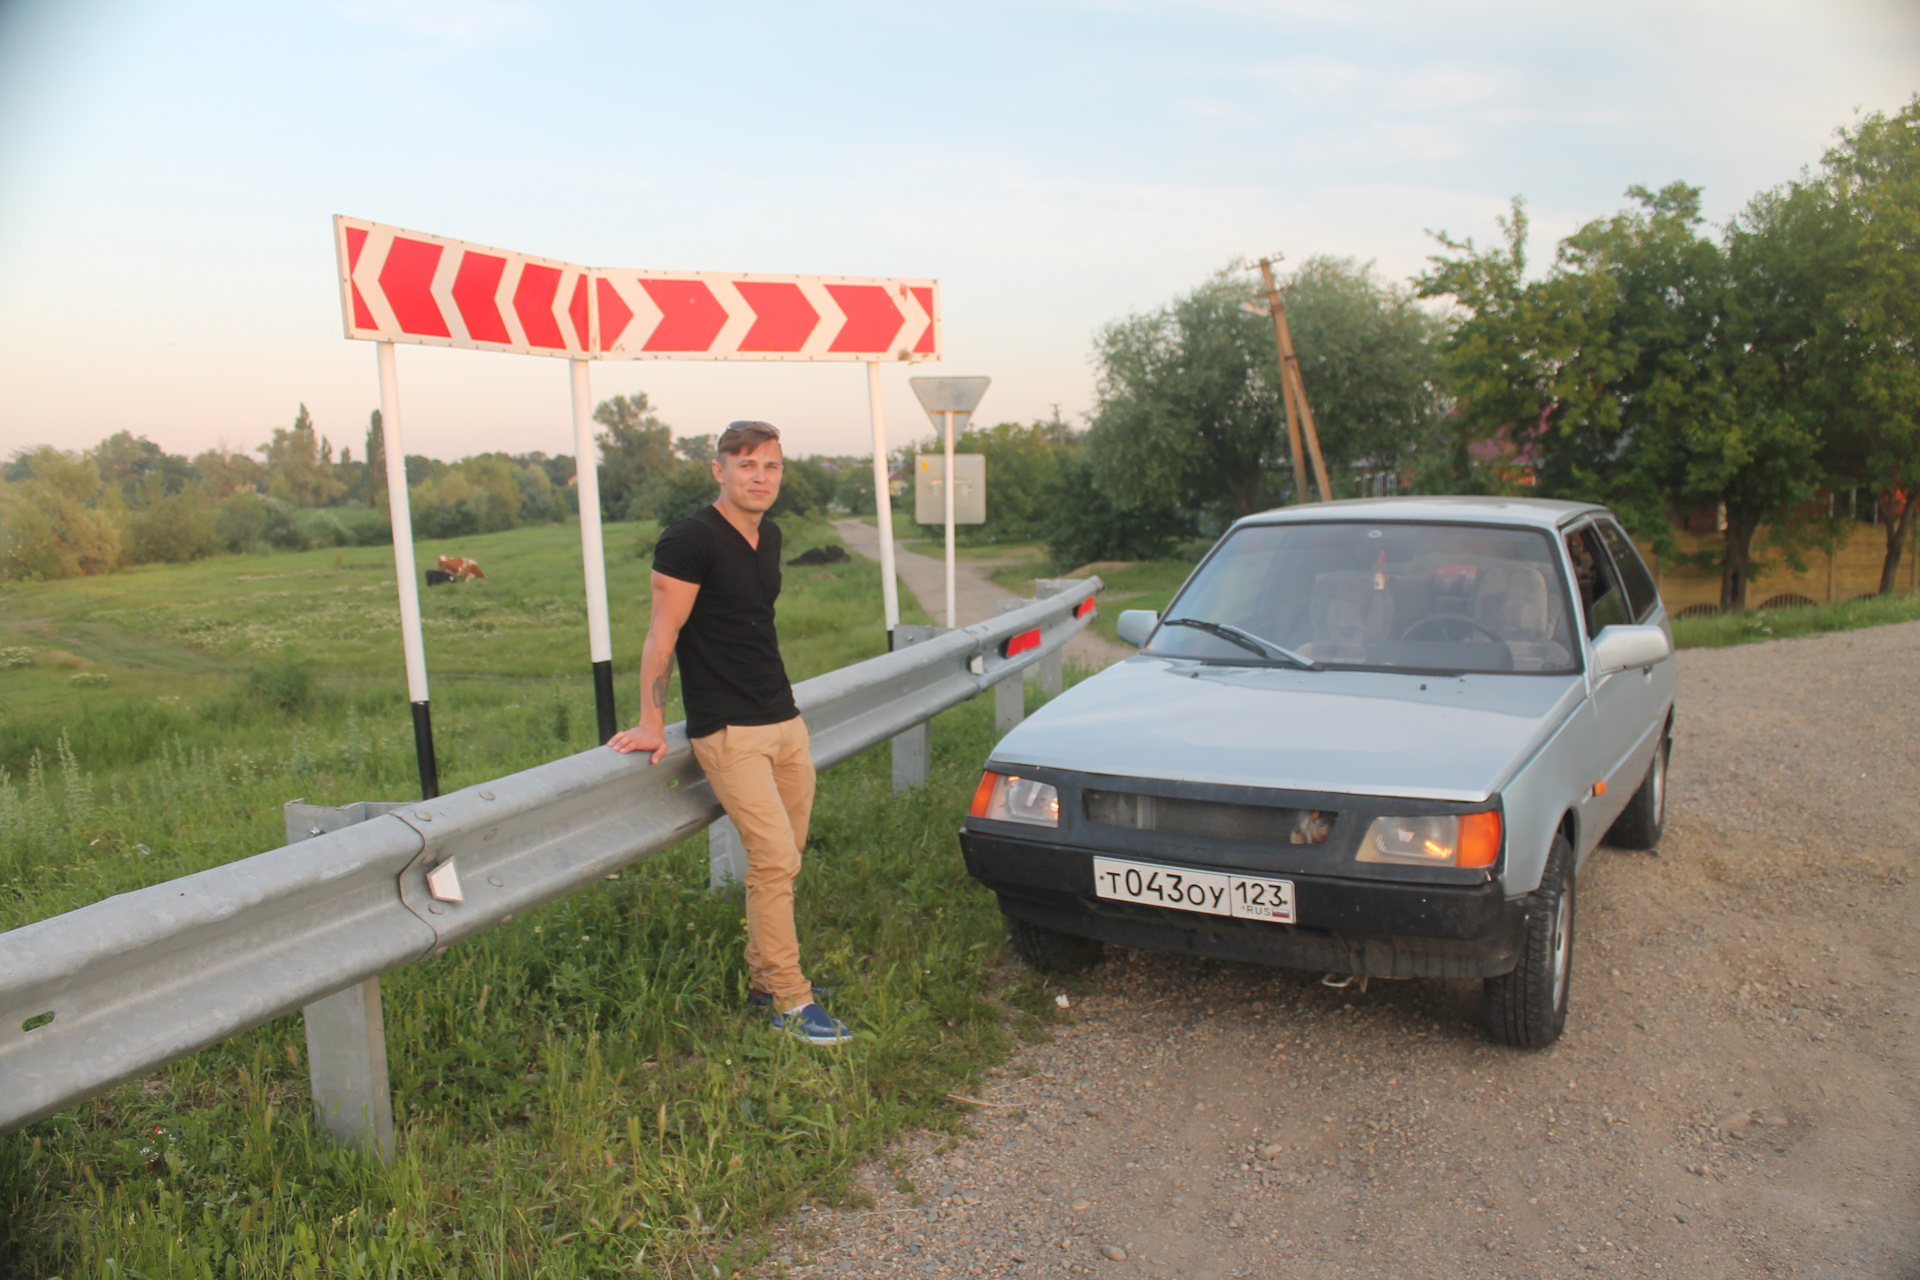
[745, 436]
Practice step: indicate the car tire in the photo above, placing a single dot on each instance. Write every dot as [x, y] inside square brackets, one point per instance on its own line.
[1645, 817]
[1049, 949]
[1527, 1008]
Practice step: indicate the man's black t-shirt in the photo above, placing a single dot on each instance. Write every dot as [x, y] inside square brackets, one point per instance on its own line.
[730, 667]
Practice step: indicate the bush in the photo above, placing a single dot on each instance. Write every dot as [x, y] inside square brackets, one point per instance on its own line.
[173, 529]
[286, 685]
[248, 521]
[675, 496]
[323, 529]
[1086, 525]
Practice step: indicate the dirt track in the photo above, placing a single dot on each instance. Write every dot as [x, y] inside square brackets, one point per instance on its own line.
[1735, 1094]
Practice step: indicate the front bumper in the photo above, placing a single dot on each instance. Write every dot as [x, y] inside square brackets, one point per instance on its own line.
[1380, 928]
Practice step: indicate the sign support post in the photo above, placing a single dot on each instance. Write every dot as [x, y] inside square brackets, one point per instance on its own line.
[883, 503]
[953, 610]
[945, 399]
[592, 550]
[400, 513]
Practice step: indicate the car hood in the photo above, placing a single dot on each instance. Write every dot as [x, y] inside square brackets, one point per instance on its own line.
[1366, 732]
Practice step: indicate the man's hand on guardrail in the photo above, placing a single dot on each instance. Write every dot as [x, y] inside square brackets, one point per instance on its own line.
[641, 738]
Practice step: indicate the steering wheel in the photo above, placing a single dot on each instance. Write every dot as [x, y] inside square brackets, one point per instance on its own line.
[1475, 623]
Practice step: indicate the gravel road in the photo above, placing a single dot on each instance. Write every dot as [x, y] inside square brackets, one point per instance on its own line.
[1734, 1096]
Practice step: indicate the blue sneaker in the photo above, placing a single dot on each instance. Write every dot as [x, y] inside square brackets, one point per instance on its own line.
[810, 1023]
[760, 999]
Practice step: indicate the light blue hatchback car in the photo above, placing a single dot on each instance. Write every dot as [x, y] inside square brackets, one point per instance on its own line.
[1375, 737]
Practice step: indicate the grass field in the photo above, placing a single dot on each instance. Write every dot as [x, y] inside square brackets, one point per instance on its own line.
[578, 1093]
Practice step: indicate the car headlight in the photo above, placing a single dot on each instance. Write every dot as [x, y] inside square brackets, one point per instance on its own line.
[1004, 797]
[1434, 840]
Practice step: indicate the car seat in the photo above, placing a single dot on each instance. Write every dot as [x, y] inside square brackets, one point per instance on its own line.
[1513, 600]
[1349, 616]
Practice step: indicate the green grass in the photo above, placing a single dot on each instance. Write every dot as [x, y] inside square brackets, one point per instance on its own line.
[578, 1093]
[1778, 624]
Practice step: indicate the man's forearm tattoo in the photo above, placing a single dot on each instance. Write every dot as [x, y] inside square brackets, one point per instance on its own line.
[660, 687]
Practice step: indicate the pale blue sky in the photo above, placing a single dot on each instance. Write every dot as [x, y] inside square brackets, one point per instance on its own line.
[167, 172]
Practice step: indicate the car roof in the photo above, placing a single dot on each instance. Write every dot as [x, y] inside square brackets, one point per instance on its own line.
[1544, 513]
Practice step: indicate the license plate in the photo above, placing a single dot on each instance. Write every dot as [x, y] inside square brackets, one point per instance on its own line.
[1216, 893]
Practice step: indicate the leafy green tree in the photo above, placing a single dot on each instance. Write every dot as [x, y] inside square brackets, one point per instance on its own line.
[1653, 368]
[375, 491]
[171, 528]
[300, 465]
[128, 462]
[1873, 177]
[57, 523]
[222, 472]
[1190, 413]
[635, 449]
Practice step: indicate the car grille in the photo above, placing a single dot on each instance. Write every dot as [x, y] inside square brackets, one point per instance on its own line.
[1250, 823]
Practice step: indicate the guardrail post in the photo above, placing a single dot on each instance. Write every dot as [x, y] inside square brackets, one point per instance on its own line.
[346, 1037]
[726, 856]
[910, 749]
[1010, 695]
[1053, 672]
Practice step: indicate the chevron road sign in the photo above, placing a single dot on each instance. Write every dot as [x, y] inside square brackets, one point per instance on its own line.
[406, 286]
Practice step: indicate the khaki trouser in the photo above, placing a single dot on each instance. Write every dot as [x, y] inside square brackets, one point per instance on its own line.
[762, 775]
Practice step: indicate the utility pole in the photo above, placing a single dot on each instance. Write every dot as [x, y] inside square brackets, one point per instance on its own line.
[1293, 391]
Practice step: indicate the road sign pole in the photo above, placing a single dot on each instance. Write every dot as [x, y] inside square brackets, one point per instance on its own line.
[883, 502]
[592, 549]
[400, 513]
[953, 611]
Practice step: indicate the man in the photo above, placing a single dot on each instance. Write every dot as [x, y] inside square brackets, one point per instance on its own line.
[716, 575]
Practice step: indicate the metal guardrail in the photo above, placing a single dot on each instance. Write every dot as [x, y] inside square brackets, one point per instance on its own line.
[111, 991]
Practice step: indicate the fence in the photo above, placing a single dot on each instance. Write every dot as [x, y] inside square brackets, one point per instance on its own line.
[104, 994]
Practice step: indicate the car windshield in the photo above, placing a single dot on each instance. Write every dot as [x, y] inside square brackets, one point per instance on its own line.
[1395, 596]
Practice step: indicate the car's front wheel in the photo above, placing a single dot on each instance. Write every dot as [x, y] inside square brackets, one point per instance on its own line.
[1050, 949]
[1645, 817]
[1527, 1008]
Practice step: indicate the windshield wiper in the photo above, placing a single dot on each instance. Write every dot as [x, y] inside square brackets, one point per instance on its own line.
[1246, 640]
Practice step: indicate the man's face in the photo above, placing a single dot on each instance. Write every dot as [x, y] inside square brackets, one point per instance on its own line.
[750, 480]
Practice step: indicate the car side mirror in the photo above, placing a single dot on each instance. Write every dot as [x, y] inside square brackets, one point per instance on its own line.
[1136, 625]
[1617, 648]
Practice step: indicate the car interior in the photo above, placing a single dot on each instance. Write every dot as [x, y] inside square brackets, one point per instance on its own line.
[1398, 596]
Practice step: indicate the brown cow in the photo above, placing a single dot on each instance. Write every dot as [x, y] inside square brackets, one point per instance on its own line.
[461, 568]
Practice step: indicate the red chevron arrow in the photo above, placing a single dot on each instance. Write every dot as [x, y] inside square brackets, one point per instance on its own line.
[783, 319]
[872, 319]
[690, 316]
[923, 294]
[362, 315]
[614, 313]
[577, 311]
[407, 279]
[533, 303]
[474, 287]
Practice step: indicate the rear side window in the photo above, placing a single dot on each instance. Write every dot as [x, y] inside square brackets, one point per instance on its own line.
[1601, 600]
[1641, 593]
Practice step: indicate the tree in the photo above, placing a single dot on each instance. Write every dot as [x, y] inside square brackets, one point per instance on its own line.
[222, 472]
[171, 528]
[300, 465]
[376, 453]
[127, 461]
[1652, 369]
[1190, 412]
[1873, 177]
[1369, 356]
[57, 525]
[635, 449]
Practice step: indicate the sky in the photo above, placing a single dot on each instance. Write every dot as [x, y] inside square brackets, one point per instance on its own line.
[168, 172]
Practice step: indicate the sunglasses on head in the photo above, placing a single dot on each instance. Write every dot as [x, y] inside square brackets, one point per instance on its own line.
[747, 424]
